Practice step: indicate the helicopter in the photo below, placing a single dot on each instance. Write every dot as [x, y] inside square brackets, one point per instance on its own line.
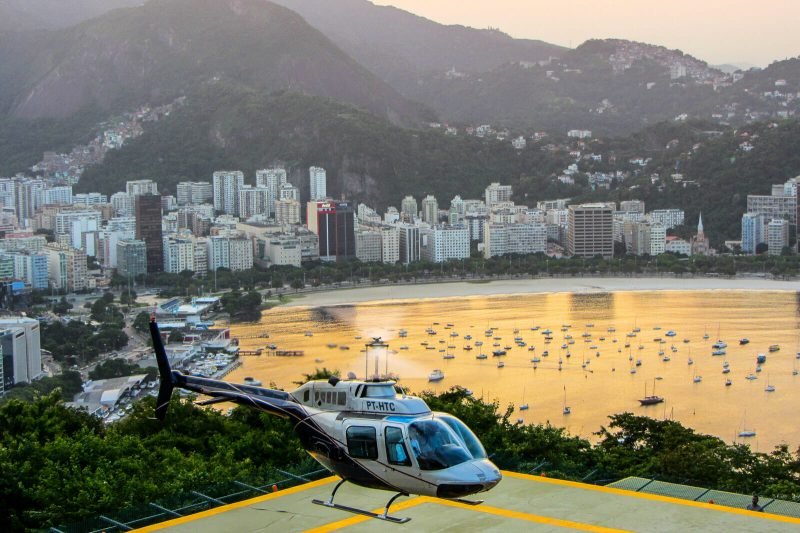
[367, 432]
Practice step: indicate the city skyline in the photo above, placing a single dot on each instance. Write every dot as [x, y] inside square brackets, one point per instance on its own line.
[715, 31]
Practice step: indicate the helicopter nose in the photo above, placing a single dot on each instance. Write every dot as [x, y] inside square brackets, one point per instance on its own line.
[485, 476]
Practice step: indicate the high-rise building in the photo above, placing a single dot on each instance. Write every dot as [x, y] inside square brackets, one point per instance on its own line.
[287, 212]
[137, 187]
[590, 230]
[430, 210]
[754, 232]
[272, 179]
[253, 201]
[178, 255]
[194, 192]
[669, 218]
[409, 243]
[318, 181]
[409, 210]
[496, 193]
[148, 229]
[231, 251]
[368, 245]
[631, 206]
[28, 197]
[334, 223]
[441, 243]
[777, 236]
[21, 353]
[89, 198]
[131, 258]
[287, 191]
[502, 239]
[32, 267]
[57, 195]
[66, 267]
[122, 204]
[226, 191]
[777, 206]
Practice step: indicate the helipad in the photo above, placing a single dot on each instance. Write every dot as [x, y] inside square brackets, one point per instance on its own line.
[520, 503]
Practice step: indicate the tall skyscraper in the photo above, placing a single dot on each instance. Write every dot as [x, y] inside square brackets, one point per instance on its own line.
[253, 201]
[318, 179]
[590, 230]
[131, 258]
[226, 191]
[148, 229]
[334, 223]
[430, 210]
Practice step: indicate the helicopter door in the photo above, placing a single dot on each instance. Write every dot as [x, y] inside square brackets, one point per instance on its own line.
[396, 451]
[362, 442]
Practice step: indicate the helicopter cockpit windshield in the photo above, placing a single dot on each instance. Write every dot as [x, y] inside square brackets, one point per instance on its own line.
[437, 444]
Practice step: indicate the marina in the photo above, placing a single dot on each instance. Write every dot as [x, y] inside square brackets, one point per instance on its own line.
[595, 371]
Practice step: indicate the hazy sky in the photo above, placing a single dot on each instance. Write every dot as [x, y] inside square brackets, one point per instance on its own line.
[717, 31]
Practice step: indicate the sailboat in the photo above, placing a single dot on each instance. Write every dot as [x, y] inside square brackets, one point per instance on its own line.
[652, 399]
[567, 410]
[746, 432]
[523, 406]
[769, 388]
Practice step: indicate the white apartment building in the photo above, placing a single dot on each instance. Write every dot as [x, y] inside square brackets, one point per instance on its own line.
[287, 191]
[287, 212]
[20, 342]
[409, 209]
[369, 245]
[272, 179]
[57, 195]
[631, 206]
[89, 198]
[66, 267]
[678, 246]
[226, 186]
[283, 249]
[194, 192]
[230, 251]
[253, 201]
[442, 243]
[773, 206]
[525, 238]
[669, 218]
[579, 134]
[318, 182]
[390, 245]
[777, 236]
[496, 193]
[141, 187]
[179, 255]
[430, 210]
[122, 204]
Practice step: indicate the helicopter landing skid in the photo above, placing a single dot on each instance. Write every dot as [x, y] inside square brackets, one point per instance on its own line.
[465, 502]
[385, 516]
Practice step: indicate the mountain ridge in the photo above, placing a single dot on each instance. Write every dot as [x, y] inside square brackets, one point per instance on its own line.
[157, 51]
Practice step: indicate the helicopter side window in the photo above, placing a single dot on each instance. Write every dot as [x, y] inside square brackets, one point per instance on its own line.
[395, 448]
[378, 391]
[342, 398]
[435, 446]
[306, 395]
[362, 442]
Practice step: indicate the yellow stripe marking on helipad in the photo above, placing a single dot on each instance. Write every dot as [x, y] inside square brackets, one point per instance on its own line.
[655, 497]
[237, 505]
[517, 515]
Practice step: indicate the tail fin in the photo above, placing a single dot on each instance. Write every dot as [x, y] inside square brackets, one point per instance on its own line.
[165, 372]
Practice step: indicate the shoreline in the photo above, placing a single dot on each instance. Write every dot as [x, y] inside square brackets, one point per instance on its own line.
[398, 293]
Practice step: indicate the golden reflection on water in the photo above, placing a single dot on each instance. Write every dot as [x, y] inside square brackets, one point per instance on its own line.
[606, 384]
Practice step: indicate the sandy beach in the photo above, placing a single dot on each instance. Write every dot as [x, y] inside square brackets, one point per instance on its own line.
[457, 289]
